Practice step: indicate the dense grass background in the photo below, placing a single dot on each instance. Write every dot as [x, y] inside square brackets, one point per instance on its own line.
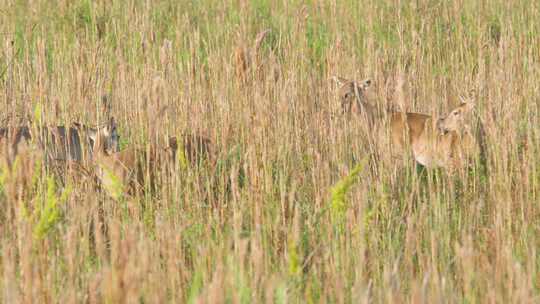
[275, 219]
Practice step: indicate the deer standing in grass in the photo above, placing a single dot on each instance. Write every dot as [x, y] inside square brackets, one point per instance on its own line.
[23, 148]
[138, 167]
[435, 141]
[73, 143]
[60, 143]
[133, 168]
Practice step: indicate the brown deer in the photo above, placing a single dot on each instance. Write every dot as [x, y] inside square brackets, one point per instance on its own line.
[60, 143]
[129, 170]
[435, 141]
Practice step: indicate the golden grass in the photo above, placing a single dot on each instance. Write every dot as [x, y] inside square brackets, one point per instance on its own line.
[252, 226]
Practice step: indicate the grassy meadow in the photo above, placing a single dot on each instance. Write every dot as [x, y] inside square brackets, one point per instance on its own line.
[297, 206]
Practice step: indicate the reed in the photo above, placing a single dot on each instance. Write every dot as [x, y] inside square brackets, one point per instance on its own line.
[253, 77]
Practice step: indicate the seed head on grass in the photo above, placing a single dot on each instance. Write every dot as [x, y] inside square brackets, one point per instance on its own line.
[338, 200]
[49, 215]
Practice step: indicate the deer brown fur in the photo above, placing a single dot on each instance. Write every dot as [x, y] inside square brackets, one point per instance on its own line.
[435, 141]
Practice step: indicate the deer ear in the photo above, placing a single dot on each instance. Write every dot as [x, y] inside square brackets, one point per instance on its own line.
[107, 105]
[340, 80]
[467, 106]
[112, 123]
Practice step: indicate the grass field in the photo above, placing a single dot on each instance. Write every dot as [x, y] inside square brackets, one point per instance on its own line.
[293, 210]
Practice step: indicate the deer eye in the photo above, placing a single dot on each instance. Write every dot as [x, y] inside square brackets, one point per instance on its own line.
[456, 113]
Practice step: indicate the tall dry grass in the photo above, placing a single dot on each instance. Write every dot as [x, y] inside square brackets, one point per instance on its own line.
[260, 224]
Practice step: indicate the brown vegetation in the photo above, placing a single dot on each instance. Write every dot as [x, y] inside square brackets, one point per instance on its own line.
[284, 211]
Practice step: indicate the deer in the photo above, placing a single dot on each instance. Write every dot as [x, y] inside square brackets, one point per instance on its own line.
[135, 168]
[60, 143]
[435, 141]
[71, 143]
[58, 148]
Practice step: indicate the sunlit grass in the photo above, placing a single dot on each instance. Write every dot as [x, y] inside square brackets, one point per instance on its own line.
[285, 210]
